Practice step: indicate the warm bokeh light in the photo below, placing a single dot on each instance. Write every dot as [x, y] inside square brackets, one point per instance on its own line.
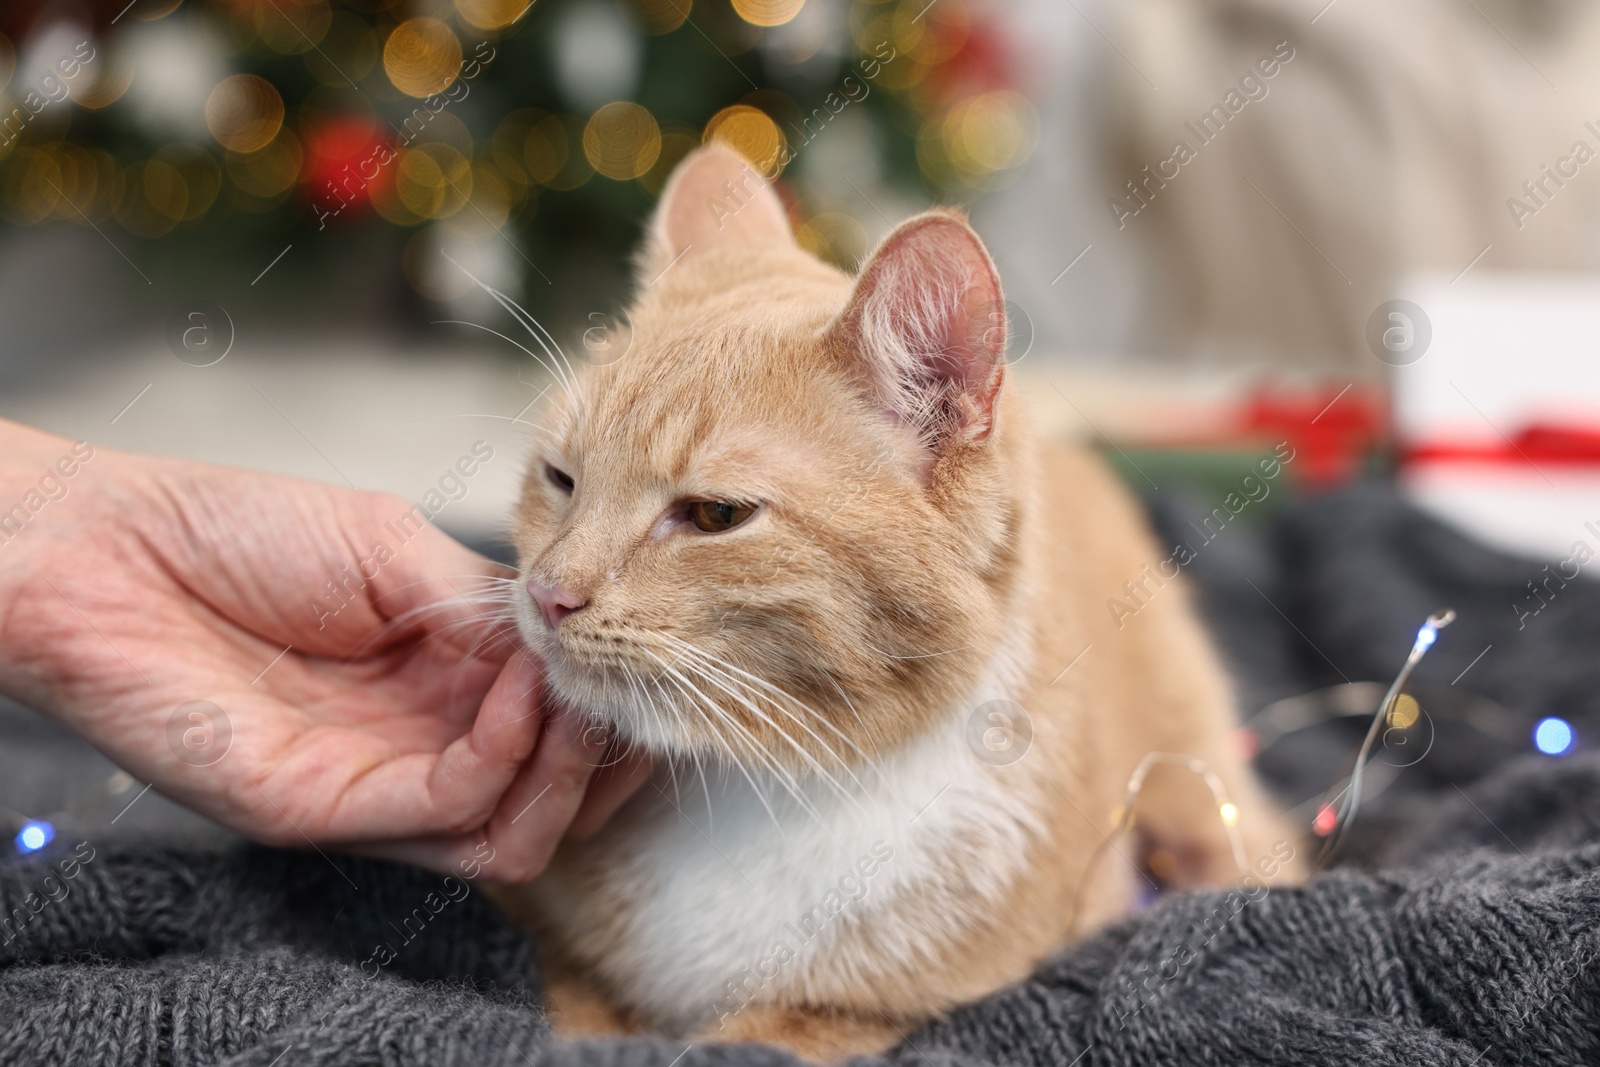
[259, 180]
[657, 16]
[154, 201]
[492, 199]
[1403, 713]
[28, 184]
[622, 140]
[102, 86]
[433, 181]
[835, 237]
[80, 180]
[675, 144]
[292, 26]
[993, 131]
[897, 25]
[543, 148]
[443, 128]
[753, 133]
[296, 110]
[202, 177]
[422, 57]
[163, 186]
[768, 12]
[980, 141]
[244, 112]
[492, 14]
[347, 52]
[936, 37]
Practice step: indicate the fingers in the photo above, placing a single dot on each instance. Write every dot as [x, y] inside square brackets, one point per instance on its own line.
[540, 805]
[472, 775]
[446, 589]
[526, 778]
[424, 794]
[609, 789]
[530, 820]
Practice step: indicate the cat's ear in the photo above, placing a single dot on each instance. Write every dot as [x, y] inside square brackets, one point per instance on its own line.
[927, 324]
[714, 197]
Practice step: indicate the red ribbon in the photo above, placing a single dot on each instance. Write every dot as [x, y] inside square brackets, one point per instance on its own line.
[1577, 446]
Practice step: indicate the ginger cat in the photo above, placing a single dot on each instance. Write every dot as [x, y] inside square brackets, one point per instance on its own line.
[794, 543]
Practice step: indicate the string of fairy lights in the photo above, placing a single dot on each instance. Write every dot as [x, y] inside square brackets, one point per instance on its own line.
[199, 115]
[1335, 810]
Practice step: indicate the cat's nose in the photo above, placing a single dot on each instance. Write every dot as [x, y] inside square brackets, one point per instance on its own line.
[555, 602]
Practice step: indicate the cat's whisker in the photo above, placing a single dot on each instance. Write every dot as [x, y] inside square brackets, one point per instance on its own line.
[449, 579]
[764, 757]
[734, 759]
[535, 329]
[696, 754]
[539, 427]
[637, 701]
[865, 732]
[561, 377]
[707, 663]
[763, 760]
[439, 607]
[782, 696]
[499, 625]
[698, 671]
[481, 414]
[525, 319]
[777, 697]
[749, 705]
[407, 619]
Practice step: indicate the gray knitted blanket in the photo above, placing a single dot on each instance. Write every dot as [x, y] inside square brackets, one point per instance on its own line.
[1469, 934]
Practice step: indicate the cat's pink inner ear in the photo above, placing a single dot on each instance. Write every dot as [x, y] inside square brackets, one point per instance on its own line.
[717, 197]
[928, 319]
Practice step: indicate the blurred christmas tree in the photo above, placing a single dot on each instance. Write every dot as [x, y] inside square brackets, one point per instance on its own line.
[522, 141]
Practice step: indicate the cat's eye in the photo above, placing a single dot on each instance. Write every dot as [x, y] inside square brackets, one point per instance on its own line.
[715, 516]
[558, 478]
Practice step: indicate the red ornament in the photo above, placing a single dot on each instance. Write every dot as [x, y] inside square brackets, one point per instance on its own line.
[346, 160]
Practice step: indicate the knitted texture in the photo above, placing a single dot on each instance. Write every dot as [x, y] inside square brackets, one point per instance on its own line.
[1472, 936]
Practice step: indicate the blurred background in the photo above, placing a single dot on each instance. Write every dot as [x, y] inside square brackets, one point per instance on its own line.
[251, 231]
[248, 230]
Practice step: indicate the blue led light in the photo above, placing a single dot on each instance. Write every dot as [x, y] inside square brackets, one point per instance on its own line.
[1425, 637]
[34, 835]
[1554, 737]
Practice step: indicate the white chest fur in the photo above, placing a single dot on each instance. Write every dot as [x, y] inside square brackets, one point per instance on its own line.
[707, 901]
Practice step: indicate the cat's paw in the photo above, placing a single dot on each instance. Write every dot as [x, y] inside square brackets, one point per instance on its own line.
[820, 1037]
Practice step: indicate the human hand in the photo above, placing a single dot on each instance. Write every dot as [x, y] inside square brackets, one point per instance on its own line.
[375, 698]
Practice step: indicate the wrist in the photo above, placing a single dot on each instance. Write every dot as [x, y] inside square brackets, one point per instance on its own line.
[38, 472]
